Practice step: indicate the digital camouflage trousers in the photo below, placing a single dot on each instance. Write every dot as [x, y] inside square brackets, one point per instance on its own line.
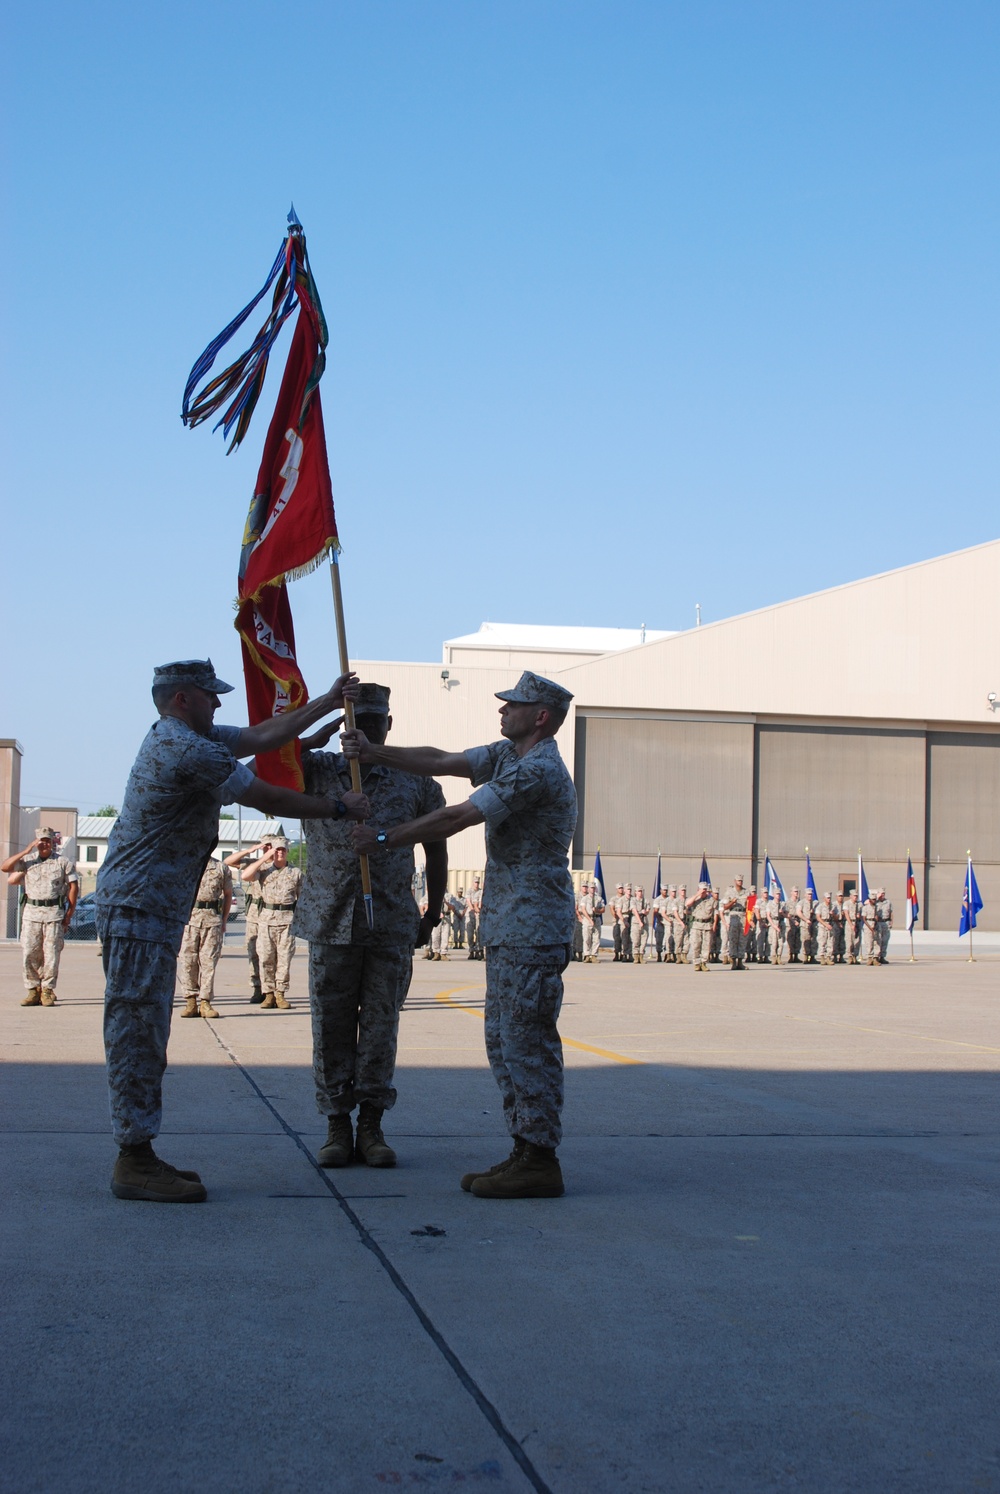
[524, 992]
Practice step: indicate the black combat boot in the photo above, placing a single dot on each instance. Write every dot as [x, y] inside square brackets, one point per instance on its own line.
[370, 1145]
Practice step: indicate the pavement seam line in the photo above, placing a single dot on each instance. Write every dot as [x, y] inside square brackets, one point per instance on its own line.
[917, 1037]
[435, 1335]
[472, 1011]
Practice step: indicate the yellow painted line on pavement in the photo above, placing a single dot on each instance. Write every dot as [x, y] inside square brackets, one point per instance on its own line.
[445, 997]
[890, 1032]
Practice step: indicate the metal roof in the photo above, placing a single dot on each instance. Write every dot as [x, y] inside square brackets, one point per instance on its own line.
[556, 638]
[98, 827]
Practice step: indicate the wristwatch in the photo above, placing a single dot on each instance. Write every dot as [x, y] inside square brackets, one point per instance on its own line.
[341, 809]
[382, 837]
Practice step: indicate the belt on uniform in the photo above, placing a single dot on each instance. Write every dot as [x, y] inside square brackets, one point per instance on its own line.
[215, 907]
[279, 907]
[44, 902]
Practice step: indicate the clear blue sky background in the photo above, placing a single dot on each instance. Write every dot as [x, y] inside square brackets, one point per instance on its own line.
[632, 305]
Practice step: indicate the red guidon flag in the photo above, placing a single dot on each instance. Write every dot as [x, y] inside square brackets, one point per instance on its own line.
[289, 529]
[291, 525]
[748, 920]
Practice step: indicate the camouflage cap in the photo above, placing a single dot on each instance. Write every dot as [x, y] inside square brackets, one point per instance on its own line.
[46, 832]
[183, 672]
[535, 689]
[373, 700]
[278, 843]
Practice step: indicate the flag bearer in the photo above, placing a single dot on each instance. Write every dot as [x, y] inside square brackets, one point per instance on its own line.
[527, 800]
[359, 976]
[51, 887]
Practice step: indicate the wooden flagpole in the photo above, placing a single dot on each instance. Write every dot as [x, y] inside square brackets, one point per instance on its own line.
[338, 610]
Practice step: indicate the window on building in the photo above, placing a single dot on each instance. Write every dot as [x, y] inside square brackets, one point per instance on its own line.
[91, 853]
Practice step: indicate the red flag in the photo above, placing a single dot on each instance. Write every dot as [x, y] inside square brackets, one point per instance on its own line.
[273, 679]
[748, 920]
[291, 525]
[289, 529]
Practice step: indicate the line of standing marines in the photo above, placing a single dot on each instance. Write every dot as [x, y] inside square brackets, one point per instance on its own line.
[153, 879]
[734, 926]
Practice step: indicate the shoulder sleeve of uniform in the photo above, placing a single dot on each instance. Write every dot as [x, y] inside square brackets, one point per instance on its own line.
[227, 878]
[483, 761]
[206, 763]
[227, 735]
[518, 784]
[70, 870]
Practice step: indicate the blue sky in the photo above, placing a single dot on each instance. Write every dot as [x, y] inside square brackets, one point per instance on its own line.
[632, 306]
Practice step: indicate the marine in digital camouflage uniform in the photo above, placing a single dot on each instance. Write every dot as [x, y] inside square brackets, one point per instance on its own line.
[51, 887]
[869, 929]
[734, 912]
[852, 928]
[823, 930]
[526, 799]
[359, 977]
[680, 924]
[275, 942]
[185, 770]
[639, 909]
[807, 928]
[253, 900]
[700, 907]
[472, 919]
[775, 926]
[201, 945]
[883, 925]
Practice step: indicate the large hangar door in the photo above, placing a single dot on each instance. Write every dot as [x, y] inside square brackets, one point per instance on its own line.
[834, 790]
[964, 815]
[676, 786]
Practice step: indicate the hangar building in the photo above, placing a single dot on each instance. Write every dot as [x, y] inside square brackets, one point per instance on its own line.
[856, 718]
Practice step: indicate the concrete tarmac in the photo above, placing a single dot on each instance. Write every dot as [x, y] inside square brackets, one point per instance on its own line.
[775, 1266]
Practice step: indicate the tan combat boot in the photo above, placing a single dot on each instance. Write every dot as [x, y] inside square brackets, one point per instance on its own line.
[268, 1001]
[535, 1174]
[206, 1009]
[190, 1006]
[491, 1172]
[282, 1002]
[34, 997]
[338, 1149]
[48, 996]
[140, 1174]
[370, 1145]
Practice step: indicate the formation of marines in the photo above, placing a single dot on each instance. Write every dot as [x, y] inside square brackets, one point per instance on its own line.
[733, 927]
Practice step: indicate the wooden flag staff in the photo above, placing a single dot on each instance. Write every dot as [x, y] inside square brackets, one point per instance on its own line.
[338, 609]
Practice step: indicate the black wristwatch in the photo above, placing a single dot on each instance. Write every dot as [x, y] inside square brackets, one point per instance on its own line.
[382, 837]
